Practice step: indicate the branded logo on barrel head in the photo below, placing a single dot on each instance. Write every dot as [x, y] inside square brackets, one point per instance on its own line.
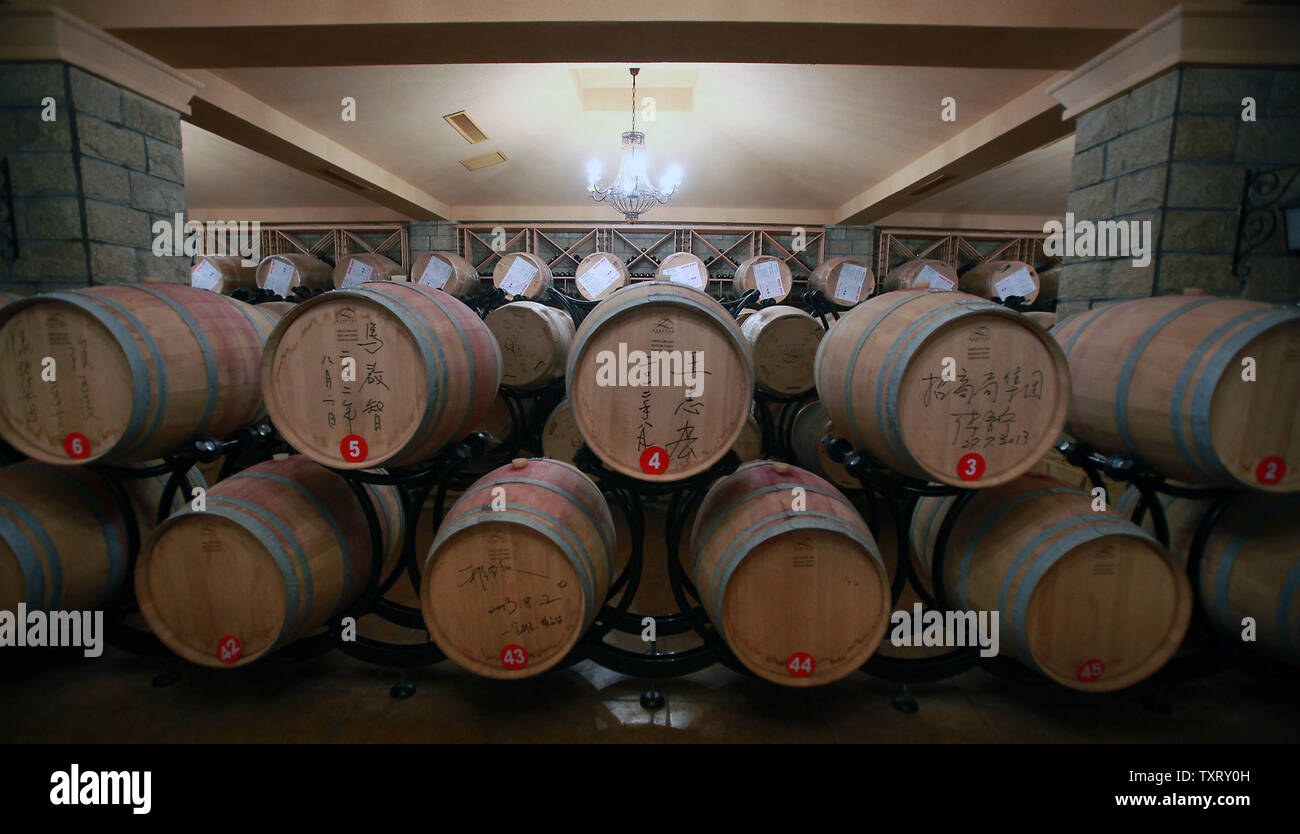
[800, 665]
[1270, 471]
[514, 656]
[654, 460]
[229, 649]
[353, 448]
[970, 467]
[77, 446]
[1091, 671]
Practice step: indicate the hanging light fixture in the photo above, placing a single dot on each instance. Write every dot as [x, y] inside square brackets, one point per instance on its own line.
[632, 192]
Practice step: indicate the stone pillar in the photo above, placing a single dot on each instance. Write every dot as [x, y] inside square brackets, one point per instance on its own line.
[92, 163]
[1172, 146]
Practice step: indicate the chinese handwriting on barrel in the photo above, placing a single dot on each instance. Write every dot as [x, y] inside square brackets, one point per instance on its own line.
[981, 405]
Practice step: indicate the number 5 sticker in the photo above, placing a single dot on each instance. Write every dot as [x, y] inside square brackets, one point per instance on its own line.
[353, 448]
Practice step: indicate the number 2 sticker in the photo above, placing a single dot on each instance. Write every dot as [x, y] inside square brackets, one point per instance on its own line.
[77, 446]
[970, 467]
[1270, 470]
[229, 649]
[353, 448]
[654, 460]
[800, 665]
[514, 656]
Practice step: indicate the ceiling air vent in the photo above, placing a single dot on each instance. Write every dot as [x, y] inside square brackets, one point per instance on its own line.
[484, 161]
[465, 126]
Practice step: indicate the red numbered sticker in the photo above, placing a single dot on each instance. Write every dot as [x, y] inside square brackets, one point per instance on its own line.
[654, 460]
[229, 649]
[353, 448]
[970, 467]
[800, 664]
[1091, 670]
[1270, 470]
[77, 446]
[514, 656]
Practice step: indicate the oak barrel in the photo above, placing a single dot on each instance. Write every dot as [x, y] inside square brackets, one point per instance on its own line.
[280, 548]
[426, 369]
[880, 375]
[811, 424]
[600, 274]
[1087, 598]
[766, 273]
[522, 275]
[684, 268]
[140, 370]
[63, 536]
[658, 368]
[1001, 280]
[519, 569]
[1250, 566]
[365, 266]
[793, 581]
[782, 343]
[534, 341]
[222, 273]
[922, 273]
[1161, 379]
[844, 281]
[448, 272]
[281, 273]
[1049, 281]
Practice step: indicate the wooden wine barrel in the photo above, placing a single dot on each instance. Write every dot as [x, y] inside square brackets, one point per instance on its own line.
[782, 343]
[140, 371]
[765, 273]
[1160, 379]
[744, 314]
[844, 281]
[8, 297]
[1049, 281]
[280, 548]
[811, 424]
[561, 439]
[800, 595]
[264, 317]
[63, 536]
[749, 446]
[365, 266]
[426, 370]
[507, 591]
[522, 275]
[922, 273]
[700, 381]
[1044, 320]
[281, 273]
[1250, 566]
[600, 274]
[1087, 598]
[534, 341]
[880, 376]
[498, 420]
[1001, 280]
[222, 273]
[910, 634]
[684, 268]
[446, 271]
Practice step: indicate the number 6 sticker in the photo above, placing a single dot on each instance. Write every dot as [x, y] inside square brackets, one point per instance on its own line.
[970, 467]
[353, 448]
[77, 446]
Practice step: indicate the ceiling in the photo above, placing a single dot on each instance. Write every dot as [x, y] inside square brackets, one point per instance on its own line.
[748, 137]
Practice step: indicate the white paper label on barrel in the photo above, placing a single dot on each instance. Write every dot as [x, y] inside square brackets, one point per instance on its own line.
[934, 279]
[358, 273]
[518, 277]
[278, 278]
[687, 273]
[205, 276]
[1017, 283]
[435, 275]
[597, 279]
[767, 275]
[849, 287]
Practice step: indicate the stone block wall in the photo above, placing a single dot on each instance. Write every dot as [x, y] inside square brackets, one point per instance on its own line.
[1175, 152]
[88, 185]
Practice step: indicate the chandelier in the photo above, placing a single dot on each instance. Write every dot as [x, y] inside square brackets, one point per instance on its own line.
[632, 192]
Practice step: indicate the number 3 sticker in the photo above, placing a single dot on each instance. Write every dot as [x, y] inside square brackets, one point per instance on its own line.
[654, 460]
[353, 448]
[970, 467]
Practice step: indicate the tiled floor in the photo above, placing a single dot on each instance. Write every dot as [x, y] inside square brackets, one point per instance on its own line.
[337, 699]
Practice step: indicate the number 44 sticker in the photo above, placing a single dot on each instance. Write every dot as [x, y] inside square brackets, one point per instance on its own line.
[800, 665]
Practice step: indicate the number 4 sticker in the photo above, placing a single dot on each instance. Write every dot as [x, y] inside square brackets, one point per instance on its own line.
[654, 460]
